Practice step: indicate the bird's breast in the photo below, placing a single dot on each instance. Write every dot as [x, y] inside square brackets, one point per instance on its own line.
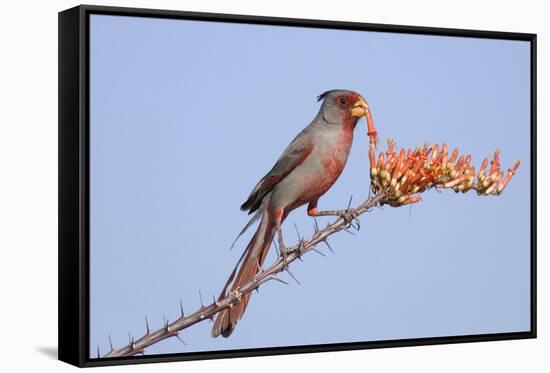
[334, 162]
[335, 154]
[330, 159]
[317, 174]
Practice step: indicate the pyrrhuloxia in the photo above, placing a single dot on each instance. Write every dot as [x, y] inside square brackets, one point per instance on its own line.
[308, 167]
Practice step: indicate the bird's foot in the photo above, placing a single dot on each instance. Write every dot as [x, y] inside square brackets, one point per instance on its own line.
[284, 252]
[350, 215]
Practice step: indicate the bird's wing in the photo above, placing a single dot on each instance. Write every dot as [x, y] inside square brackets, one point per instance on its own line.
[294, 155]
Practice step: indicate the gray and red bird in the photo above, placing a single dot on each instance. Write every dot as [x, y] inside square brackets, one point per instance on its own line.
[308, 167]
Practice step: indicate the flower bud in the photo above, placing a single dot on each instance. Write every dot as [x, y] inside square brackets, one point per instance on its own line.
[435, 152]
[454, 155]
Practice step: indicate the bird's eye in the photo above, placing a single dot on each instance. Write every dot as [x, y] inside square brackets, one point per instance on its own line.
[343, 101]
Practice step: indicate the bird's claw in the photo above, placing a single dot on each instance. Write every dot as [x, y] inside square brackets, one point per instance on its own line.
[284, 252]
[350, 215]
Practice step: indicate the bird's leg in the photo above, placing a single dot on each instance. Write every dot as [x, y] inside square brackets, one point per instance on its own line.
[282, 246]
[349, 214]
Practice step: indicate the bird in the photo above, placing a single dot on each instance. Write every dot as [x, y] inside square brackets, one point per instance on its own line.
[305, 171]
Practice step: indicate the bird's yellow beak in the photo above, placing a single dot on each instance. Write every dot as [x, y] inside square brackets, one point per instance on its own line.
[360, 108]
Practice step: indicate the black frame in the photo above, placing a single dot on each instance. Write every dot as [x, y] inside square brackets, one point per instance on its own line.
[73, 318]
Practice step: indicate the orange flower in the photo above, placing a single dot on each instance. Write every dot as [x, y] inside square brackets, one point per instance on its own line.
[402, 175]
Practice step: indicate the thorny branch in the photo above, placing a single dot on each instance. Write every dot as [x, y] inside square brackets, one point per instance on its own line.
[206, 312]
[397, 178]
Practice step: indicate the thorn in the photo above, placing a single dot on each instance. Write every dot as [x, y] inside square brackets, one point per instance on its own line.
[181, 310]
[315, 224]
[349, 203]
[181, 340]
[257, 290]
[215, 301]
[328, 245]
[111, 343]
[200, 296]
[98, 352]
[318, 252]
[297, 232]
[278, 279]
[294, 277]
[350, 232]
[147, 325]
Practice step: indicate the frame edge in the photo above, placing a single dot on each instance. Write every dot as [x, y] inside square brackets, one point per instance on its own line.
[69, 222]
[304, 22]
[533, 171]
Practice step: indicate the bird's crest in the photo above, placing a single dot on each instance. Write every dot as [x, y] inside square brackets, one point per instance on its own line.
[322, 95]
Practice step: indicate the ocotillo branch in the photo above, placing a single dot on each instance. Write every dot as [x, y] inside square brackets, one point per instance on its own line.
[206, 312]
[397, 179]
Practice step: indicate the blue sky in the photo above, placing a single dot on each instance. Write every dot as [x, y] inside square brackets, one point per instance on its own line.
[186, 116]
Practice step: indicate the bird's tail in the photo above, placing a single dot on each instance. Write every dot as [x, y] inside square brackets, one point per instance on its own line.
[255, 254]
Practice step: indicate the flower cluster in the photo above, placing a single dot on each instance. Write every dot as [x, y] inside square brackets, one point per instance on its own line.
[403, 175]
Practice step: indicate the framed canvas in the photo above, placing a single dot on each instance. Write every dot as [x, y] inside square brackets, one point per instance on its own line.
[171, 123]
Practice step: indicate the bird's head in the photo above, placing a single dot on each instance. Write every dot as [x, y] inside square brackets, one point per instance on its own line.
[342, 106]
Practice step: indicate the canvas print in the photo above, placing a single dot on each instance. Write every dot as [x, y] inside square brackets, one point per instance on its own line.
[260, 186]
